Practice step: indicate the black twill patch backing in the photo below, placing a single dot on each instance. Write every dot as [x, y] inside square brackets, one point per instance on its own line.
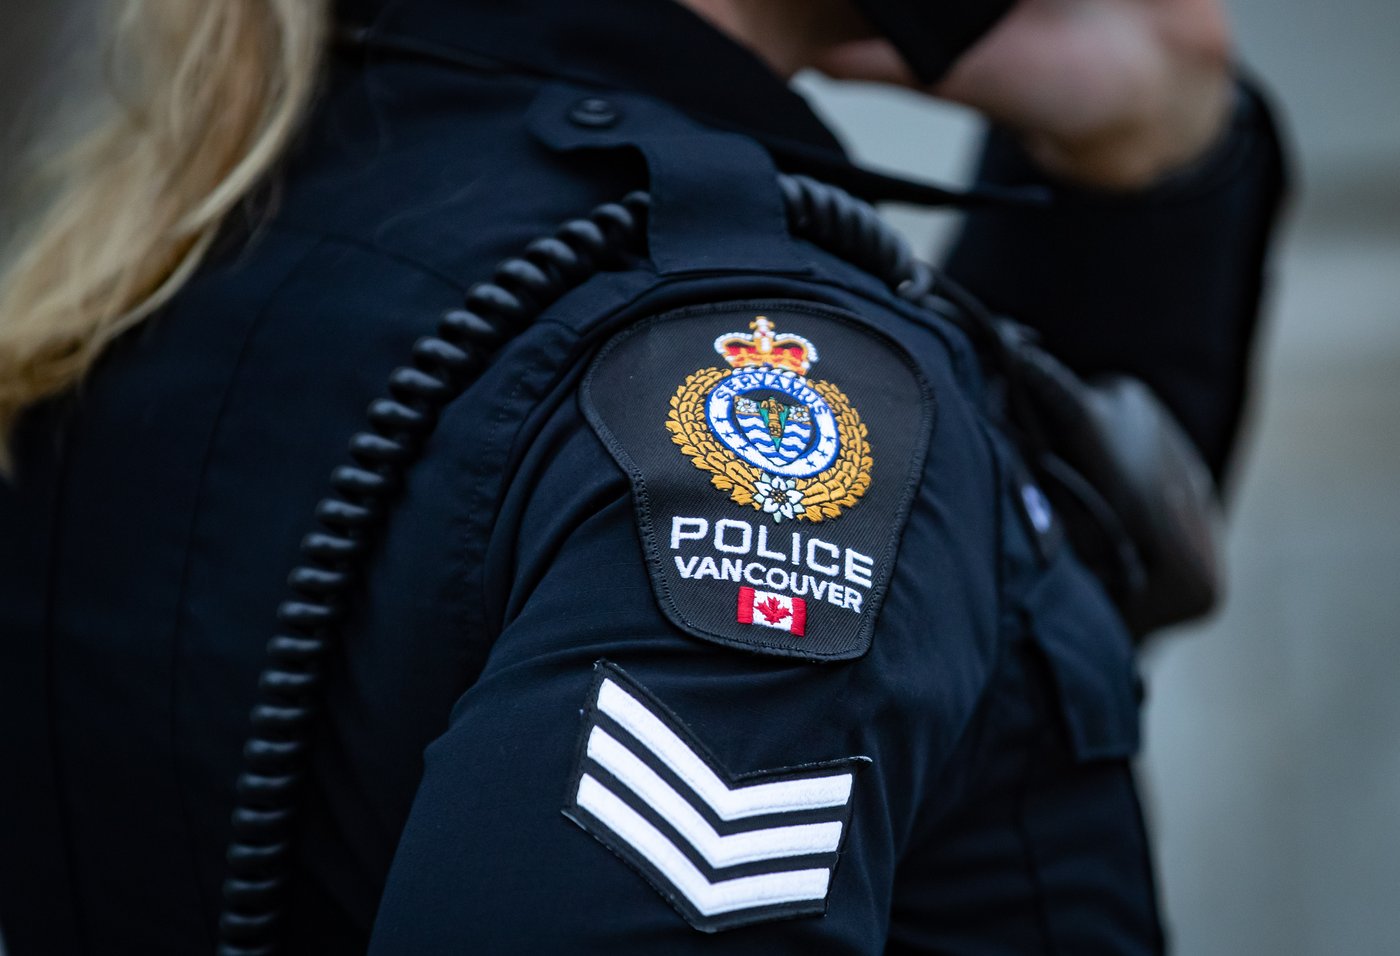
[724, 850]
[774, 447]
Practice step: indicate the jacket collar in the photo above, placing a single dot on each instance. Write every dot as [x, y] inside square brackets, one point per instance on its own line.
[657, 47]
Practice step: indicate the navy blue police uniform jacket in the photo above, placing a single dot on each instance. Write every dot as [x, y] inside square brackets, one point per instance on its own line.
[713, 617]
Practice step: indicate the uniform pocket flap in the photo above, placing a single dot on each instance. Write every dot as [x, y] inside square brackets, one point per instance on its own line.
[1091, 657]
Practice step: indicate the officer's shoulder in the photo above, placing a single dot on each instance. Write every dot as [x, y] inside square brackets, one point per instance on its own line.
[442, 169]
[772, 405]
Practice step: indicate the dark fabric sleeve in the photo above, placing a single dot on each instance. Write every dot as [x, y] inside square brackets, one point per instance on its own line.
[984, 739]
[489, 862]
[1164, 284]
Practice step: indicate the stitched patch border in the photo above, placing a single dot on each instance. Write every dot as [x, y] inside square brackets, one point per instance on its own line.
[840, 555]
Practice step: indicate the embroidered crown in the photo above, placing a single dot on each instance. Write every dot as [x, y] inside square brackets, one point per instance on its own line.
[765, 347]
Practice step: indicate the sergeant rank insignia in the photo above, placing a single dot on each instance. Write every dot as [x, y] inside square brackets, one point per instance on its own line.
[791, 448]
[725, 849]
[770, 501]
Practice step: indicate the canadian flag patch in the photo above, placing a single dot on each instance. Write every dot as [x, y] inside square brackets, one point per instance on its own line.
[769, 609]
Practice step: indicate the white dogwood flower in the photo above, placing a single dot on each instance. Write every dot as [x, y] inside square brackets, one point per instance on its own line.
[778, 497]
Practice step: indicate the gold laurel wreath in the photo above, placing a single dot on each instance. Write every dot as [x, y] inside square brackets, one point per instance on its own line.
[824, 495]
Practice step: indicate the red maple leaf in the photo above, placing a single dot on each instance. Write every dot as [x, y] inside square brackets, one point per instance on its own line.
[772, 610]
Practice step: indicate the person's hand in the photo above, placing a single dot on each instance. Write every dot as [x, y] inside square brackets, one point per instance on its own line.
[1109, 93]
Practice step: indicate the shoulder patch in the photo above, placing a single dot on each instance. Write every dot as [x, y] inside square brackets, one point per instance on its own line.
[724, 850]
[770, 494]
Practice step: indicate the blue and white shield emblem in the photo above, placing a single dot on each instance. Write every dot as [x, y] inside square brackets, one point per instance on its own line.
[774, 420]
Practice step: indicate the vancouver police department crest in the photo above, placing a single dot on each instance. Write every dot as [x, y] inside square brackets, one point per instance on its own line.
[775, 441]
[762, 518]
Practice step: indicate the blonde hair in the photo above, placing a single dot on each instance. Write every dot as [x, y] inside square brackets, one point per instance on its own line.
[208, 95]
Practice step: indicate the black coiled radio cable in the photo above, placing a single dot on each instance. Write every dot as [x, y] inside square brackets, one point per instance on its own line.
[333, 555]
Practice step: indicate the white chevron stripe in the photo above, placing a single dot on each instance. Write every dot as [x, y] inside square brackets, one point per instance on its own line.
[766, 844]
[710, 899]
[778, 796]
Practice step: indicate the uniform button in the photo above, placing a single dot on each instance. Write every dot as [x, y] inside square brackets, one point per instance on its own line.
[595, 112]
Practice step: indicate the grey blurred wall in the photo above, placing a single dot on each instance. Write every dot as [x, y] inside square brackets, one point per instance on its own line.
[1272, 764]
[43, 57]
[25, 43]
